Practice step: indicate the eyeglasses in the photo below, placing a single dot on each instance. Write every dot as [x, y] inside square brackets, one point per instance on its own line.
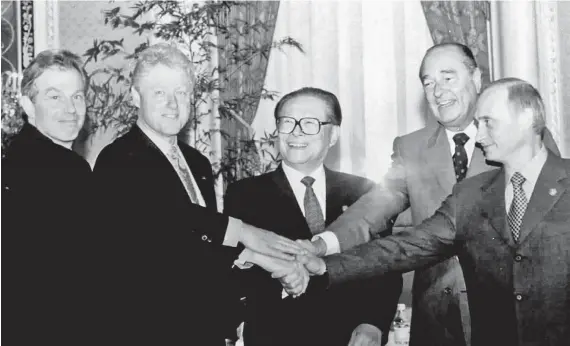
[309, 126]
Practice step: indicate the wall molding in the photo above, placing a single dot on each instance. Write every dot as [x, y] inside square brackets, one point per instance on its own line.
[46, 16]
[548, 51]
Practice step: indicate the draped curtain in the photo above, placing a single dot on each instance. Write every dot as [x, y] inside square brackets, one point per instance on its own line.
[464, 22]
[246, 80]
[368, 54]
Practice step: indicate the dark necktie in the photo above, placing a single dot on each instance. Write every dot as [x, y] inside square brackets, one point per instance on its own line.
[518, 206]
[460, 156]
[313, 211]
[183, 173]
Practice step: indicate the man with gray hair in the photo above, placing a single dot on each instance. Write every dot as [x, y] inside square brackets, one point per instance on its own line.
[46, 188]
[170, 251]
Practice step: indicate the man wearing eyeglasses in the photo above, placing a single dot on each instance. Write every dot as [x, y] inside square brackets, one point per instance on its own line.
[298, 200]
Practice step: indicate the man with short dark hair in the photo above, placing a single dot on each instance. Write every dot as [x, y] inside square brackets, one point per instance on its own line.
[508, 227]
[297, 200]
[425, 166]
[46, 211]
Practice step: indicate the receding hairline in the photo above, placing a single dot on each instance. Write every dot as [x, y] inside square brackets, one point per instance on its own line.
[465, 59]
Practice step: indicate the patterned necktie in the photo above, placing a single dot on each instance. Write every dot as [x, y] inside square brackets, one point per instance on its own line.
[518, 206]
[460, 156]
[313, 211]
[183, 173]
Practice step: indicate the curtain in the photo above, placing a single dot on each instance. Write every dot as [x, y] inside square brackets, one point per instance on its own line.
[464, 22]
[243, 81]
[368, 54]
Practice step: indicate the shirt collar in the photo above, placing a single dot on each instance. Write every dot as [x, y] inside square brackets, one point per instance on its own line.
[294, 175]
[470, 130]
[161, 142]
[531, 170]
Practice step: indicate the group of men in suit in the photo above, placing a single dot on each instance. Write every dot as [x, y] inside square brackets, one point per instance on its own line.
[155, 264]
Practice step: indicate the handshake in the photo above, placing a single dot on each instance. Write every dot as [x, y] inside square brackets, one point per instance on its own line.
[293, 270]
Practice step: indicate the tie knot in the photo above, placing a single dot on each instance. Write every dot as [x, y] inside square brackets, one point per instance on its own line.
[517, 179]
[308, 181]
[460, 138]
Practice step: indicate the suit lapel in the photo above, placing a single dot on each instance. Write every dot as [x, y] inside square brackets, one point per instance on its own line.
[493, 206]
[546, 193]
[477, 163]
[437, 156]
[334, 198]
[288, 202]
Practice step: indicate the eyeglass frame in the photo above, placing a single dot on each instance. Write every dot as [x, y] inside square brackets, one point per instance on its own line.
[298, 123]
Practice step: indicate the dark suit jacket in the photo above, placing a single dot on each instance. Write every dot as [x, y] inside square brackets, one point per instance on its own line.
[420, 178]
[519, 294]
[317, 317]
[45, 242]
[167, 265]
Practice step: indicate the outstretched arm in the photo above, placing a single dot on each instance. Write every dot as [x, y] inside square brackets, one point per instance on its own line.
[371, 214]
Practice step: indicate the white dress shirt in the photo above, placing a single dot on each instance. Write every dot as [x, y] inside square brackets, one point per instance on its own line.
[530, 171]
[165, 146]
[319, 186]
[331, 240]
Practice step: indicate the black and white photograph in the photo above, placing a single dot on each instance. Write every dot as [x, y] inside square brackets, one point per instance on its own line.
[285, 173]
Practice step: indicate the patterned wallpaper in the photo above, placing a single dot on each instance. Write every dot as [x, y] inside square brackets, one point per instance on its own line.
[564, 26]
[80, 22]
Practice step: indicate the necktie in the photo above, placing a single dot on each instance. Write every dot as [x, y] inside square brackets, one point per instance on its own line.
[313, 211]
[183, 173]
[518, 206]
[460, 156]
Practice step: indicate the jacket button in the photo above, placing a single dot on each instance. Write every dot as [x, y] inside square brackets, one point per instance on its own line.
[518, 297]
[204, 237]
[518, 258]
[447, 290]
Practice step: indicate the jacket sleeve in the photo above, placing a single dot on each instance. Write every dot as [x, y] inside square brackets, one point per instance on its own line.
[426, 244]
[374, 212]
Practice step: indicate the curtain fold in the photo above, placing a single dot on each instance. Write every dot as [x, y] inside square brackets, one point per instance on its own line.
[367, 53]
[244, 81]
[464, 22]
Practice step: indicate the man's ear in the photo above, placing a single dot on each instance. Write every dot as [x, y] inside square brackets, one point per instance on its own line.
[477, 79]
[335, 134]
[136, 97]
[28, 107]
[526, 118]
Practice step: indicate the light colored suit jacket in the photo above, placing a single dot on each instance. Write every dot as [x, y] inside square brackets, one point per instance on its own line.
[421, 177]
[519, 293]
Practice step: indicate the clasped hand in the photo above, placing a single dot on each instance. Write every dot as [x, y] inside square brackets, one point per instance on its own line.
[293, 274]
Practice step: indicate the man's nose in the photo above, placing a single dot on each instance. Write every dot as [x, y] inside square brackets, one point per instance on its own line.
[480, 134]
[437, 90]
[70, 106]
[171, 102]
[297, 130]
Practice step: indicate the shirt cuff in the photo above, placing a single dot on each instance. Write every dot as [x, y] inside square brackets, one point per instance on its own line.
[284, 294]
[242, 262]
[232, 232]
[331, 240]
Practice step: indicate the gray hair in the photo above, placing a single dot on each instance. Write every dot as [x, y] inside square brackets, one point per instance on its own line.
[163, 54]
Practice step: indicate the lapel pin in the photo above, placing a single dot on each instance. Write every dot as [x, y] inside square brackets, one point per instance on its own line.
[552, 192]
[203, 178]
[344, 207]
